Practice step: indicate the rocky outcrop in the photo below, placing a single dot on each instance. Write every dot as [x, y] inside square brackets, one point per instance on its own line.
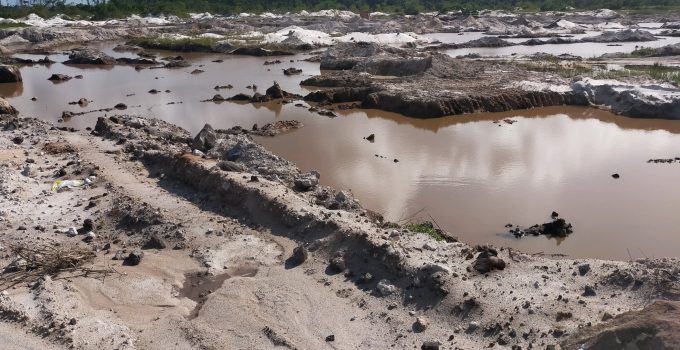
[345, 56]
[88, 55]
[622, 36]
[640, 101]
[9, 74]
[394, 66]
[432, 107]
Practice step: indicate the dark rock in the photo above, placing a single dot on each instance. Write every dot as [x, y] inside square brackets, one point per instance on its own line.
[421, 324]
[430, 345]
[616, 176]
[583, 269]
[206, 139]
[240, 97]
[338, 264]
[9, 74]
[120, 106]
[275, 91]
[59, 77]
[371, 137]
[292, 71]
[330, 338]
[300, 255]
[231, 166]
[154, 242]
[17, 140]
[589, 291]
[134, 258]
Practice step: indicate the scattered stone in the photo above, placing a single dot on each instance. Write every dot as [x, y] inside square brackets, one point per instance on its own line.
[205, 139]
[120, 255]
[330, 338]
[134, 258]
[421, 324]
[370, 137]
[338, 264]
[563, 316]
[430, 345]
[583, 269]
[227, 165]
[306, 182]
[616, 176]
[385, 287]
[300, 255]
[589, 291]
[154, 242]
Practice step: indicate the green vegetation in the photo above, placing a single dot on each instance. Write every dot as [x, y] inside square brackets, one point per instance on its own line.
[121, 8]
[428, 228]
[656, 71]
[13, 25]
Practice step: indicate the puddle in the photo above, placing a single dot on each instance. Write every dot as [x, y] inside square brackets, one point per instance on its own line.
[470, 174]
[199, 285]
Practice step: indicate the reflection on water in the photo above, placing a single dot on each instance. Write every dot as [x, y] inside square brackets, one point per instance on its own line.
[472, 175]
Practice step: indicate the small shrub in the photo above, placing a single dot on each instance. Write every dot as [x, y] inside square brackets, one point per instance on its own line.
[428, 228]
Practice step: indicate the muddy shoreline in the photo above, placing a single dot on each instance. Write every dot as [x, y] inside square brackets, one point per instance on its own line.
[138, 234]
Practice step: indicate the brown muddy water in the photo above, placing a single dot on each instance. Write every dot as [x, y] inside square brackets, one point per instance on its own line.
[473, 176]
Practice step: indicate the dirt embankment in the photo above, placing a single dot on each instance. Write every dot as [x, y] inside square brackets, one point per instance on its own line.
[273, 243]
[427, 85]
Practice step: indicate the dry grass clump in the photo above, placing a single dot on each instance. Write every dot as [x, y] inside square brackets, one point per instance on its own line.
[36, 261]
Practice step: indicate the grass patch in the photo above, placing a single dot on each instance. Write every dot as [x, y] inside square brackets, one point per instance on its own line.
[428, 228]
[13, 25]
[656, 71]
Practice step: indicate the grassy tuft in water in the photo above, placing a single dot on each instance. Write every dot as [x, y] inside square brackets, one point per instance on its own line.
[428, 228]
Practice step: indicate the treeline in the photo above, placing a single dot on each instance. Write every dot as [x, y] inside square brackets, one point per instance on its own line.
[120, 8]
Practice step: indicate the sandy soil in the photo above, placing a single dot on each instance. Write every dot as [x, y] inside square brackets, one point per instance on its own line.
[265, 301]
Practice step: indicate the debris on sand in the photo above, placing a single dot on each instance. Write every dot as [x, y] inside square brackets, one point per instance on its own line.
[556, 228]
[36, 261]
